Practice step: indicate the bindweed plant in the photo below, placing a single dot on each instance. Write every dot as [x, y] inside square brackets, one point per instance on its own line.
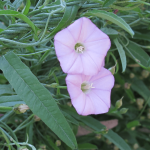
[57, 72]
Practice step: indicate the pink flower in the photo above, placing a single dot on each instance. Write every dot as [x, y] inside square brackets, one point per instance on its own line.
[90, 94]
[81, 47]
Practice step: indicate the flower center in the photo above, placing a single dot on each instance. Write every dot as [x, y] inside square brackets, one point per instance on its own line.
[79, 48]
[85, 87]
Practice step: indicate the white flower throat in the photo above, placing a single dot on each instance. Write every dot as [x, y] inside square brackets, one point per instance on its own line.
[79, 48]
[85, 87]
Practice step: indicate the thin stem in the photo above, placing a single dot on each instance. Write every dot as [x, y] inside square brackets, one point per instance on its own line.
[34, 53]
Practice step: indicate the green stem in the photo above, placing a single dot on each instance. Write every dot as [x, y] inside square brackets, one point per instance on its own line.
[34, 53]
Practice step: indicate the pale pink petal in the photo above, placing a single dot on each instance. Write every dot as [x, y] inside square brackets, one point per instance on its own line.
[65, 37]
[73, 90]
[87, 29]
[96, 35]
[97, 59]
[90, 68]
[89, 107]
[105, 83]
[79, 103]
[77, 67]
[75, 29]
[103, 95]
[98, 103]
[100, 47]
[74, 79]
[61, 49]
[67, 61]
[103, 73]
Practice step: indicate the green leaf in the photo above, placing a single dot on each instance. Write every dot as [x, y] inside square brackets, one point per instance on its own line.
[121, 81]
[2, 4]
[26, 8]
[97, 127]
[108, 2]
[122, 54]
[10, 100]
[139, 55]
[139, 86]
[38, 98]
[20, 16]
[6, 89]
[133, 124]
[110, 32]
[111, 17]
[87, 146]
[69, 16]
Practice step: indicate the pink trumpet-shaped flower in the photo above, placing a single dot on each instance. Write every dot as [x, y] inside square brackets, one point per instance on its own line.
[90, 94]
[81, 47]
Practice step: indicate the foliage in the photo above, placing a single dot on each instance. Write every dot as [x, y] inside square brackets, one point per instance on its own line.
[31, 74]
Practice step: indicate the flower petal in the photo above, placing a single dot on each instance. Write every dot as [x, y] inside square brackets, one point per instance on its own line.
[77, 67]
[75, 29]
[99, 47]
[67, 61]
[65, 37]
[87, 29]
[103, 95]
[73, 90]
[96, 35]
[99, 105]
[97, 59]
[74, 79]
[89, 107]
[62, 50]
[104, 72]
[90, 68]
[105, 83]
[79, 103]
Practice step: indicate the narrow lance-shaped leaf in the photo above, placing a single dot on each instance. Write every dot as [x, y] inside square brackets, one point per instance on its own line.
[108, 2]
[20, 16]
[139, 55]
[98, 127]
[69, 16]
[111, 17]
[122, 54]
[38, 98]
[27, 7]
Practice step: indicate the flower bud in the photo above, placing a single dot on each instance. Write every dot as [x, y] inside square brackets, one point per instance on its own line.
[20, 108]
[119, 103]
[36, 118]
[98, 136]
[112, 69]
[54, 85]
[140, 101]
[123, 110]
[69, 104]
[135, 146]
[132, 75]
[23, 148]
[142, 117]
[127, 85]
[58, 143]
[148, 115]
[117, 86]
[133, 128]
[116, 148]
[145, 73]
[108, 142]
[43, 147]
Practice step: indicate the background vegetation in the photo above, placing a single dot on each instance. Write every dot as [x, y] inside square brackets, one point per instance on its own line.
[31, 74]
